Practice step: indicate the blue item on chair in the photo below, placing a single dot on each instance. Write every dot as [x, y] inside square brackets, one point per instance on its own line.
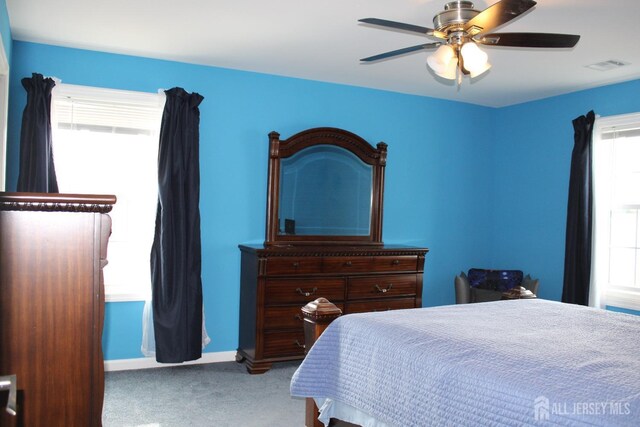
[482, 289]
[494, 280]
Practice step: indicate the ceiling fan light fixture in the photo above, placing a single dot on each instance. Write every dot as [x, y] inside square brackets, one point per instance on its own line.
[474, 59]
[459, 29]
[440, 61]
[475, 73]
[450, 71]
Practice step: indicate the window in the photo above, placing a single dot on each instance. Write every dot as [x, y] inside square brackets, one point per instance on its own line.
[616, 179]
[4, 101]
[106, 142]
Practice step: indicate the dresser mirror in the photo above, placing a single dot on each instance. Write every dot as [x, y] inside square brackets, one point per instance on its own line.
[326, 191]
[325, 187]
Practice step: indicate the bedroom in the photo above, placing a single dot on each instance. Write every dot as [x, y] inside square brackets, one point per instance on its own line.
[488, 191]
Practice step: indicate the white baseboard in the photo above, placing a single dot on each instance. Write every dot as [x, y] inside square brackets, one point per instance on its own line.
[150, 362]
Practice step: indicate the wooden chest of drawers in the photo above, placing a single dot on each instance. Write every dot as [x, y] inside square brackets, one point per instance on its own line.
[277, 281]
[53, 248]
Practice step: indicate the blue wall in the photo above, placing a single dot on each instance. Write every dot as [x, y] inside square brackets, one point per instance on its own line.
[533, 144]
[5, 30]
[490, 192]
[436, 180]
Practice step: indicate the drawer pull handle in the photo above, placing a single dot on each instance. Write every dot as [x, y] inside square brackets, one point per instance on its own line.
[298, 344]
[298, 317]
[379, 289]
[396, 262]
[306, 294]
[348, 264]
[295, 264]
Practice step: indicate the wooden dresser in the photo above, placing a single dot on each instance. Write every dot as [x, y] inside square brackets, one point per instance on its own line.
[52, 251]
[277, 281]
[325, 191]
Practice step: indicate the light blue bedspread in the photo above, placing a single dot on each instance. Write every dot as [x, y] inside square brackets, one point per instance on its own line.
[520, 362]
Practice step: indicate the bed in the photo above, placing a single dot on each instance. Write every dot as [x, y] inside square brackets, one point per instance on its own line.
[519, 362]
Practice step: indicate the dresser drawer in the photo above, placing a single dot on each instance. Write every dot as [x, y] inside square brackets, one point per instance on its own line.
[283, 317]
[289, 291]
[383, 305]
[395, 263]
[294, 265]
[287, 343]
[346, 265]
[386, 286]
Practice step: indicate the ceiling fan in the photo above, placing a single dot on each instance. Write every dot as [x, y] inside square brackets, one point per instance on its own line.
[460, 28]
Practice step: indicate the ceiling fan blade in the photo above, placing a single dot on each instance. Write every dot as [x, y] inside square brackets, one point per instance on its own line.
[400, 51]
[402, 26]
[497, 14]
[528, 39]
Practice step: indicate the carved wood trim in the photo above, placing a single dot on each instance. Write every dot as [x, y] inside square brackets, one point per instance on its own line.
[327, 251]
[333, 136]
[53, 202]
[382, 148]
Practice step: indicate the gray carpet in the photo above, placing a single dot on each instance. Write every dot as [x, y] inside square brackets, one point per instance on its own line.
[217, 394]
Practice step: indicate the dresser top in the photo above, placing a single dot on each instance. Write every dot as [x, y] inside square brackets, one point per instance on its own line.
[56, 202]
[332, 250]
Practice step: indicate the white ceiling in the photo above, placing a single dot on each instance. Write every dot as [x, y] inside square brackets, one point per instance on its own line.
[322, 40]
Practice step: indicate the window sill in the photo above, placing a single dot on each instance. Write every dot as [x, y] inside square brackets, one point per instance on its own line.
[623, 299]
[115, 295]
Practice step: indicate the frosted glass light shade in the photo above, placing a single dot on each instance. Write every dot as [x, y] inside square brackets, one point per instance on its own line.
[475, 60]
[440, 60]
[450, 72]
[476, 73]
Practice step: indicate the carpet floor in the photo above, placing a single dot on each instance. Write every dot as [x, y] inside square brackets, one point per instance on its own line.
[217, 394]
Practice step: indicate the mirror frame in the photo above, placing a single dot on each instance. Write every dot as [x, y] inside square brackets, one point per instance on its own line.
[280, 149]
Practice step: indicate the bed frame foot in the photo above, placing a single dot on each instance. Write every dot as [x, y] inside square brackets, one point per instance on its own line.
[317, 316]
[311, 414]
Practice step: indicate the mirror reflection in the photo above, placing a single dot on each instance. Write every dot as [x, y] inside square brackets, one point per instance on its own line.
[325, 190]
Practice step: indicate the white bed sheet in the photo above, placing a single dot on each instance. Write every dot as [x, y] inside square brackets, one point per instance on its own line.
[329, 408]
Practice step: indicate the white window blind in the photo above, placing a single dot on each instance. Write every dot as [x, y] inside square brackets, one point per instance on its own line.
[616, 179]
[106, 142]
[99, 109]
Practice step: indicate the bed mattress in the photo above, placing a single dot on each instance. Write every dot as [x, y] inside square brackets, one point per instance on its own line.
[518, 362]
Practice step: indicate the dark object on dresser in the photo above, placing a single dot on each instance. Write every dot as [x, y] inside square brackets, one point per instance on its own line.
[289, 226]
[52, 251]
[336, 251]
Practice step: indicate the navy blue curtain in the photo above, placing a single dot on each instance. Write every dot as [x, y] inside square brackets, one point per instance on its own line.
[176, 252]
[37, 173]
[577, 259]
